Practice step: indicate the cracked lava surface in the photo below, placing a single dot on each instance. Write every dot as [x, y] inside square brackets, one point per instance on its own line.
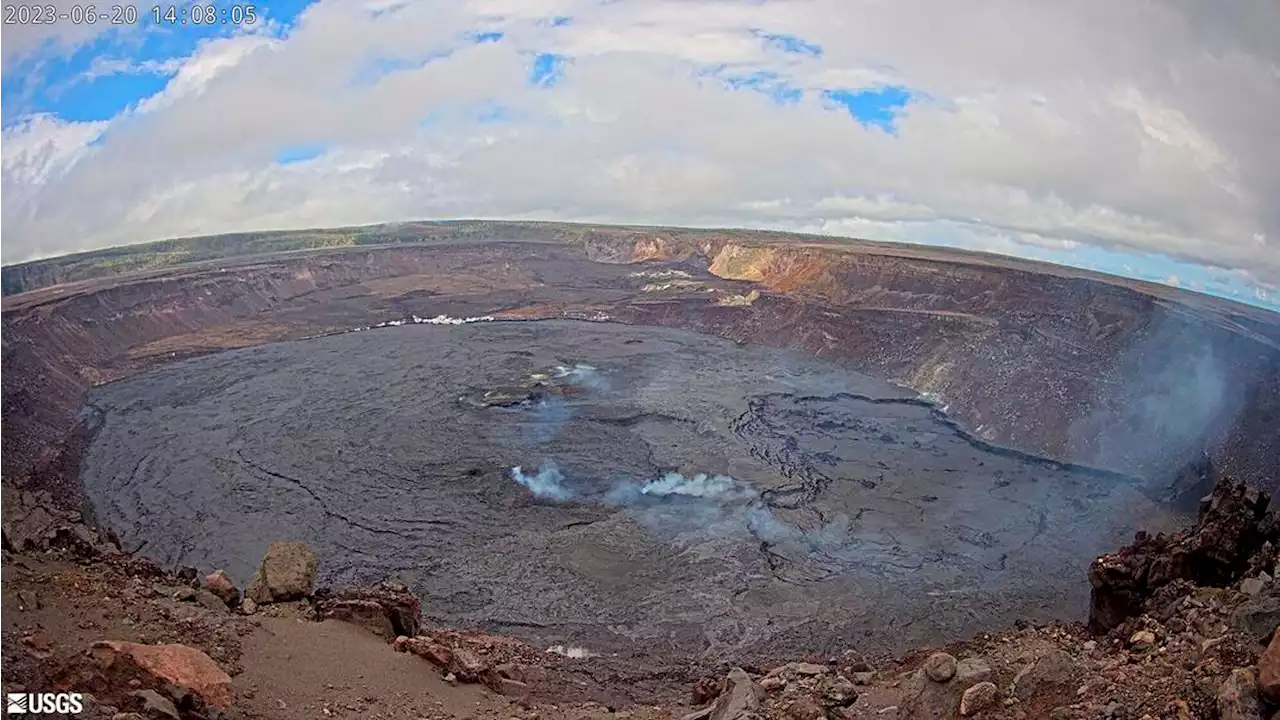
[855, 516]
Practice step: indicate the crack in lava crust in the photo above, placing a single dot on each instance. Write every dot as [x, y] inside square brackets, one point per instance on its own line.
[858, 514]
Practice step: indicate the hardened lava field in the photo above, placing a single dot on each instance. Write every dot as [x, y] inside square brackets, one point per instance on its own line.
[676, 492]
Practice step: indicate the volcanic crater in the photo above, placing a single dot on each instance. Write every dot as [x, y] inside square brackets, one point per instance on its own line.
[658, 443]
[675, 492]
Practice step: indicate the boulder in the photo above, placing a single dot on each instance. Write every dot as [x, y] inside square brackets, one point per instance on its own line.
[1253, 586]
[209, 600]
[1053, 672]
[837, 691]
[27, 600]
[387, 609]
[183, 666]
[803, 668]
[805, 708]
[925, 698]
[740, 699]
[1257, 617]
[219, 583]
[978, 698]
[972, 670]
[1269, 670]
[940, 667]
[1238, 697]
[287, 572]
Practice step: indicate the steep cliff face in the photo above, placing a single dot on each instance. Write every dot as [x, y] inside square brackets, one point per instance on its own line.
[1067, 366]
[1054, 363]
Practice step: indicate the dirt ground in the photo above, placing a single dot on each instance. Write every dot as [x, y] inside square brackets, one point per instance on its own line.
[283, 665]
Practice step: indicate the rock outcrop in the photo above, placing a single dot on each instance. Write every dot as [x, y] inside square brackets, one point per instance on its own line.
[387, 609]
[1233, 535]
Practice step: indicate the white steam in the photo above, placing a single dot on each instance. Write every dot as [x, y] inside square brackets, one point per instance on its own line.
[547, 483]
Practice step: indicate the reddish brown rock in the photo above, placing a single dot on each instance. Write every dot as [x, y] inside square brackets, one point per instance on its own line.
[1238, 697]
[978, 698]
[183, 666]
[1269, 670]
[219, 583]
[706, 690]
[469, 666]
[387, 609]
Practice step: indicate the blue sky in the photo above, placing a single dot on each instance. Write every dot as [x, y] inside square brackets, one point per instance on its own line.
[117, 69]
[810, 115]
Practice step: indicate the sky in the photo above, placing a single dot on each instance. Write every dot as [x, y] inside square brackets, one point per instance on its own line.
[1136, 138]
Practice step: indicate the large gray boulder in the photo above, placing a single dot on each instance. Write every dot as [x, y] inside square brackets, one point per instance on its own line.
[287, 572]
[925, 697]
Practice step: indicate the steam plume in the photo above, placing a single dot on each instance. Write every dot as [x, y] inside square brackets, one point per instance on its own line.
[547, 483]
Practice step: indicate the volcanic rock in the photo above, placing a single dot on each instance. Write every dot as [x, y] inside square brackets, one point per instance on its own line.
[209, 600]
[1055, 671]
[740, 699]
[771, 683]
[433, 652]
[1269, 670]
[155, 705]
[837, 692]
[1252, 586]
[709, 688]
[287, 572]
[1142, 640]
[387, 609]
[978, 698]
[28, 527]
[806, 708]
[183, 666]
[1232, 526]
[219, 583]
[1257, 617]
[972, 670]
[1238, 697]
[941, 667]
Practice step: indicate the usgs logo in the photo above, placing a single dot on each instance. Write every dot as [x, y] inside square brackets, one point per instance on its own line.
[61, 703]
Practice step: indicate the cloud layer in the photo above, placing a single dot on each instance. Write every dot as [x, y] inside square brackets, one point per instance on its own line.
[995, 124]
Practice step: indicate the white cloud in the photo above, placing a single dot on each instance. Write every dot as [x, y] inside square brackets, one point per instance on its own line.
[1132, 126]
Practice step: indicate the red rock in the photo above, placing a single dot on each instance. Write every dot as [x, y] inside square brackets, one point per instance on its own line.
[387, 609]
[183, 666]
[468, 666]
[219, 583]
[435, 653]
[1269, 670]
